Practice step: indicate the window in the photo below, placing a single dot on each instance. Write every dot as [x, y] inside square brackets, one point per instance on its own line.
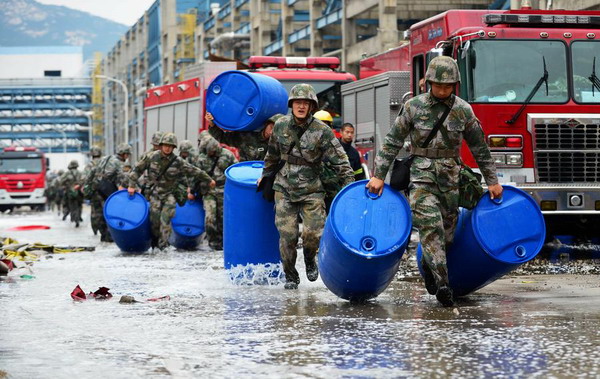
[52, 73]
[583, 54]
[418, 73]
[507, 71]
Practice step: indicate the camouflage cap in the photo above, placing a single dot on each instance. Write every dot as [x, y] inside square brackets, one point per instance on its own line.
[442, 69]
[156, 137]
[303, 91]
[73, 164]
[169, 139]
[203, 135]
[95, 152]
[211, 146]
[124, 148]
[186, 147]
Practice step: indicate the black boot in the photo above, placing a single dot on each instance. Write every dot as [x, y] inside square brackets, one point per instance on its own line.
[430, 283]
[312, 270]
[444, 296]
[291, 286]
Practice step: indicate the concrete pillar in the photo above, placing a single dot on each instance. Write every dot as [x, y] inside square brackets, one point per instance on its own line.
[388, 30]
[315, 9]
[287, 16]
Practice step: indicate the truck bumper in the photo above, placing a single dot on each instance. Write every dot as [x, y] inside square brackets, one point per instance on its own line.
[22, 198]
[572, 199]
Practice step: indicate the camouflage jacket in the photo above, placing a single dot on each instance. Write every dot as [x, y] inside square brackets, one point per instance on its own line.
[155, 164]
[70, 178]
[221, 161]
[90, 166]
[109, 168]
[416, 120]
[252, 146]
[300, 181]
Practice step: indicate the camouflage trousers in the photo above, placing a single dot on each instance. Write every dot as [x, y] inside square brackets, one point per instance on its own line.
[97, 215]
[435, 215]
[74, 209]
[162, 211]
[312, 212]
[213, 219]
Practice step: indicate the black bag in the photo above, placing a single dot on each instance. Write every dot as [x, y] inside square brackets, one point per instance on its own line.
[266, 186]
[400, 177]
[106, 188]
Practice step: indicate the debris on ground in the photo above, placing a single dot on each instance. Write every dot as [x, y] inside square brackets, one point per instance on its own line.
[101, 294]
[12, 250]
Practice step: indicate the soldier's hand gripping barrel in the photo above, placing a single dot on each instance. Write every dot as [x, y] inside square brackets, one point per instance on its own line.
[128, 221]
[188, 225]
[363, 241]
[493, 239]
[243, 101]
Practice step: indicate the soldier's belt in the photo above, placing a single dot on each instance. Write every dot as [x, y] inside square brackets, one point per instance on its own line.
[296, 160]
[434, 153]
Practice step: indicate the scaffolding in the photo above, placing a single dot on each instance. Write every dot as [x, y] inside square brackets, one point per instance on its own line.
[97, 103]
[184, 50]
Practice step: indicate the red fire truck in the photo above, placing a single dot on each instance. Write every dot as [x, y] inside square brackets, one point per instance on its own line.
[22, 178]
[179, 107]
[531, 79]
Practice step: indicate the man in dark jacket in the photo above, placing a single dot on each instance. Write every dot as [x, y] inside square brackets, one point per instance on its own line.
[353, 155]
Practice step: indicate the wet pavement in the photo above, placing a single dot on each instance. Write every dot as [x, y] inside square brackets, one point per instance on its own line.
[521, 325]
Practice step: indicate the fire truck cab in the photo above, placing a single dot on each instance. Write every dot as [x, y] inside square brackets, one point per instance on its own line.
[22, 177]
[531, 79]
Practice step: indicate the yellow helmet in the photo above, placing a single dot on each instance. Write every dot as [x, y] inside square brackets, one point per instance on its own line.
[323, 116]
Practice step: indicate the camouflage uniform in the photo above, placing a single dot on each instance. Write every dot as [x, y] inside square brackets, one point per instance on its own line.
[95, 204]
[74, 198]
[434, 188]
[109, 168]
[299, 191]
[161, 189]
[252, 146]
[219, 159]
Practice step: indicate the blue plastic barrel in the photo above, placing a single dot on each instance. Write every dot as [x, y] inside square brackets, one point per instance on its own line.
[363, 241]
[128, 220]
[188, 225]
[493, 239]
[243, 101]
[249, 233]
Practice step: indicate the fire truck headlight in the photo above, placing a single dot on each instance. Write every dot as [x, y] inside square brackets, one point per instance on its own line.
[3, 194]
[514, 159]
[38, 192]
[499, 159]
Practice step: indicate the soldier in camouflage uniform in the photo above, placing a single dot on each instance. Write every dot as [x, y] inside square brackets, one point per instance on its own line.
[164, 169]
[111, 169]
[298, 187]
[71, 182]
[252, 146]
[95, 201]
[435, 170]
[219, 159]
[155, 144]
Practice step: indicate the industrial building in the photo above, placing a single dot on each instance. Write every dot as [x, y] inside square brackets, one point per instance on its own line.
[45, 101]
[173, 35]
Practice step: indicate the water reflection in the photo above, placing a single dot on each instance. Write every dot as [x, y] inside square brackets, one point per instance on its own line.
[212, 327]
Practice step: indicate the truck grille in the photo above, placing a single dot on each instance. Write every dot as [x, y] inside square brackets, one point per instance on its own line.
[13, 185]
[566, 150]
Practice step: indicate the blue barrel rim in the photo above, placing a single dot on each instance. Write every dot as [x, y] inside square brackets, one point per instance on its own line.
[250, 78]
[522, 254]
[240, 164]
[136, 194]
[365, 239]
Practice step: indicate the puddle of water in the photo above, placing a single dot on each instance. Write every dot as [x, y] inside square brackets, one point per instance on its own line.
[213, 327]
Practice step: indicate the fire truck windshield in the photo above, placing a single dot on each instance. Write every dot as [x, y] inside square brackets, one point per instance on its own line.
[505, 71]
[20, 166]
[329, 94]
[583, 54]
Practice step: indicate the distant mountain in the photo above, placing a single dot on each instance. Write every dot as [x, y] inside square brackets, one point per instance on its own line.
[29, 23]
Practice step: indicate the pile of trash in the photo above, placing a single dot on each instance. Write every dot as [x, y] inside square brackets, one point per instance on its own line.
[15, 255]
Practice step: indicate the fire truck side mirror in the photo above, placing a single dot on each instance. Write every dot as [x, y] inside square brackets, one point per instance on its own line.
[47, 164]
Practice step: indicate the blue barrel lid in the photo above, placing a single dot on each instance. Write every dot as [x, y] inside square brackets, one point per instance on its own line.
[236, 98]
[124, 212]
[245, 173]
[511, 229]
[368, 224]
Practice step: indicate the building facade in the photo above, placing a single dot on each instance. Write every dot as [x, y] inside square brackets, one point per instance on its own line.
[44, 100]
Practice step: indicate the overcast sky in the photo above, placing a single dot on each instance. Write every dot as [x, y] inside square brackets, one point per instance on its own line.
[123, 11]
